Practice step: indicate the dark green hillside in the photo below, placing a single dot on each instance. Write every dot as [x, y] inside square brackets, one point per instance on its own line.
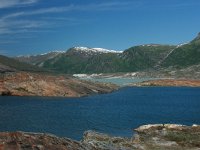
[144, 57]
[185, 55]
[80, 63]
[133, 59]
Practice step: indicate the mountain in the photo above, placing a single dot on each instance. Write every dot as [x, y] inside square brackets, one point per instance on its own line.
[39, 59]
[185, 55]
[9, 65]
[96, 60]
[83, 59]
[137, 58]
[145, 56]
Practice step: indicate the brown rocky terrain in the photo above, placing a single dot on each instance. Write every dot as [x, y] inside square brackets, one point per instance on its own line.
[37, 141]
[147, 137]
[34, 84]
[170, 82]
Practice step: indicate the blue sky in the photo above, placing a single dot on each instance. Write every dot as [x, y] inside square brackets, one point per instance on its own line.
[38, 26]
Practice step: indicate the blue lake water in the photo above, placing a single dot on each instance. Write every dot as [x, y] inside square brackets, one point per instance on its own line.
[117, 113]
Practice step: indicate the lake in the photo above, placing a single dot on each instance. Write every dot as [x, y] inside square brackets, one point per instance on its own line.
[120, 81]
[117, 113]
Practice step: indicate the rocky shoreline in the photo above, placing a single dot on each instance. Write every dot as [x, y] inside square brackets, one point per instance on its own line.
[170, 82]
[35, 84]
[147, 137]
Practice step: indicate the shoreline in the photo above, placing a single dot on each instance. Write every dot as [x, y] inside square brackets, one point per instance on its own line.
[34, 84]
[168, 83]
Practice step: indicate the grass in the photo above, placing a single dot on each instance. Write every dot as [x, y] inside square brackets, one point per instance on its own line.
[190, 139]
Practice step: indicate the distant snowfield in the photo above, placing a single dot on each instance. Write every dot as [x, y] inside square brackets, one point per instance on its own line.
[96, 50]
[102, 75]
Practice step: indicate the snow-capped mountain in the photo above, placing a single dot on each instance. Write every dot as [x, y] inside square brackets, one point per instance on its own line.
[95, 50]
[80, 60]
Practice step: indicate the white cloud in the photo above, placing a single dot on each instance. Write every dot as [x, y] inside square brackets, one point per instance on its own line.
[16, 22]
[19, 26]
[12, 3]
[89, 7]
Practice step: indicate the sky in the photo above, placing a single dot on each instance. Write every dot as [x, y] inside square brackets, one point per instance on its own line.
[29, 27]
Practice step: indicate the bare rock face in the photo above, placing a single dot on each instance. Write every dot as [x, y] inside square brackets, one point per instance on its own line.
[32, 84]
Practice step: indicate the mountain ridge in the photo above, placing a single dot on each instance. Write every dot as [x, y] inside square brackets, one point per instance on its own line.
[136, 58]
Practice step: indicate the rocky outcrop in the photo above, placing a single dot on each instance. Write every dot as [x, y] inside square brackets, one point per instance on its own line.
[37, 141]
[147, 137]
[169, 82]
[168, 137]
[34, 84]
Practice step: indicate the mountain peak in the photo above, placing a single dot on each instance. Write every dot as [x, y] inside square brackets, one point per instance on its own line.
[197, 37]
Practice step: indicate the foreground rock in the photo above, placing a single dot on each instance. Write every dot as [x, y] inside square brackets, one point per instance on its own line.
[32, 84]
[170, 82]
[147, 137]
[36, 141]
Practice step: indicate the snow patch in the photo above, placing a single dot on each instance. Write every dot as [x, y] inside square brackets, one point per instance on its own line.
[96, 50]
[179, 45]
[56, 51]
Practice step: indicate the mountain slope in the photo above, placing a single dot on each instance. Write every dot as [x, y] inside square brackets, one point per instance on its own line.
[96, 60]
[185, 55]
[10, 64]
[82, 60]
[38, 59]
[145, 56]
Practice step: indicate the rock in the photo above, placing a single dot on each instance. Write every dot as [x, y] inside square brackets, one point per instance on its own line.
[169, 136]
[36, 141]
[169, 82]
[148, 137]
[101, 141]
[34, 84]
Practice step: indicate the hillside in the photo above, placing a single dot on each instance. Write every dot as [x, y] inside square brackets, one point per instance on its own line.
[38, 59]
[9, 65]
[185, 55]
[82, 60]
[145, 56]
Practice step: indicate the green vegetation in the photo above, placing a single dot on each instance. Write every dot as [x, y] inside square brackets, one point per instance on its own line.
[73, 63]
[184, 138]
[145, 57]
[133, 59]
[184, 56]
